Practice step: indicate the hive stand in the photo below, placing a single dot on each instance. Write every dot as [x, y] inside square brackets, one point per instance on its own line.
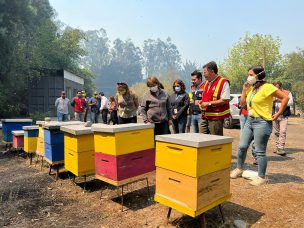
[124, 154]
[121, 185]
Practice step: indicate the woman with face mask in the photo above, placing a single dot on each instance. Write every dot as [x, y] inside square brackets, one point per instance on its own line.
[179, 104]
[127, 104]
[155, 106]
[258, 96]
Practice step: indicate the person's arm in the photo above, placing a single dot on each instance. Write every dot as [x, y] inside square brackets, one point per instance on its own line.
[73, 102]
[56, 102]
[284, 99]
[102, 104]
[135, 100]
[245, 90]
[144, 109]
[185, 106]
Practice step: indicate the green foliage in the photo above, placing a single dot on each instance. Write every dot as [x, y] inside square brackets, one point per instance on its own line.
[160, 56]
[293, 77]
[250, 51]
[30, 40]
[39, 116]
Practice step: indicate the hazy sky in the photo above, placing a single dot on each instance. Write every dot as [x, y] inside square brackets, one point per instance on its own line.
[202, 30]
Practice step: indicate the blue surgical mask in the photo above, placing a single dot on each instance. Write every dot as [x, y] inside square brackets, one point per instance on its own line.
[177, 88]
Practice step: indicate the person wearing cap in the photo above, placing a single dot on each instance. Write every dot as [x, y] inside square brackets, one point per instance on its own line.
[127, 102]
[94, 108]
[104, 107]
[79, 104]
[62, 104]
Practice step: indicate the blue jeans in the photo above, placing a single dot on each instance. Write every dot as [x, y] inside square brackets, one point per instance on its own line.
[179, 125]
[261, 130]
[94, 117]
[62, 116]
[196, 121]
[242, 124]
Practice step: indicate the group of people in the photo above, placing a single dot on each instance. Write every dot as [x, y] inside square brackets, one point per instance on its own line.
[122, 108]
[204, 108]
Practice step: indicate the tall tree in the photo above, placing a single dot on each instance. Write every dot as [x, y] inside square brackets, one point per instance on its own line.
[293, 77]
[160, 56]
[187, 68]
[249, 51]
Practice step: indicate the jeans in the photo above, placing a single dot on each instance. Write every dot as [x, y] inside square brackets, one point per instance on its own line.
[242, 124]
[104, 115]
[261, 130]
[196, 121]
[62, 116]
[79, 116]
[179, 125]
[94, 117]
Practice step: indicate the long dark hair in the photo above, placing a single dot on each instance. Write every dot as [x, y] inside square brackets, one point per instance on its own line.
[260, 72]
[182, 85]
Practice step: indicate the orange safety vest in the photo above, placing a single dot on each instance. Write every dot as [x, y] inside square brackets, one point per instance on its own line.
[214, 93]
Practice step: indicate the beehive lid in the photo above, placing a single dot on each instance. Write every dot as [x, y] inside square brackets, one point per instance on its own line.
[77, 129]
[120, 127]
[55, 125]
[194, 139]
[32, 127]
[16, 120]
[40, 122]
[18, 133]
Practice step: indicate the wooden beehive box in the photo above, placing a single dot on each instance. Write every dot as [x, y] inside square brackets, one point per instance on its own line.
[9, 125]
[18, 139]
[30, 138]
[123, 152]
[78, 149]
[192, 173]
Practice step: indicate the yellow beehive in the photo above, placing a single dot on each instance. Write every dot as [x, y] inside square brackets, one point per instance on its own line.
[193, 161]
[30, 144]
[190, 195]
[40, 146]
[192, 171]
[79, 153]
[79, 143]
[80, 164]
[113, 139]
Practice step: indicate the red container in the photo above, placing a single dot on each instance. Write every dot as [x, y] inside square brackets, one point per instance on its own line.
[125, 166]
[18, 141]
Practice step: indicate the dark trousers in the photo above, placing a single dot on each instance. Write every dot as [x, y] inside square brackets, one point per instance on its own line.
[113, 117]
[179, 125]
[127, 120]
[161, 128]
[212, 127]
[104, 115]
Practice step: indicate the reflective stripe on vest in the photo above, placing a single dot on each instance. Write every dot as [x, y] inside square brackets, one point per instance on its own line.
[217, 113]
[215, 94]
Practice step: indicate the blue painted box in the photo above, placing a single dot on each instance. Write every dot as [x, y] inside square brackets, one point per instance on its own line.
[9, 125]
[53, 137]
[54, 153]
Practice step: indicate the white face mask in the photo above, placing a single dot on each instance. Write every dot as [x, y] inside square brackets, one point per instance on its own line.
[154, 89]
[251, 80]
[177, 89]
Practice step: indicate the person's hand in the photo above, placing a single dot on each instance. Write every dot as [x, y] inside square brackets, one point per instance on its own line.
[246, 86]
[275, 116]
[204, 104]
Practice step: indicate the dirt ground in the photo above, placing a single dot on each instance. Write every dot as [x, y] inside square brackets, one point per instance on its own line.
[29, 197]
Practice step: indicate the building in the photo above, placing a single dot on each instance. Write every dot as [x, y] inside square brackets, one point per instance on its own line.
[45, 90]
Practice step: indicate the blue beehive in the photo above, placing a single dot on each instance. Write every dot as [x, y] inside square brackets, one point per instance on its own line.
[54, 153]
[53, 137]
[9, 125]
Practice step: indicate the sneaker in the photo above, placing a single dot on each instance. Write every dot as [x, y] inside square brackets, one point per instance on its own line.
[250, 174]
[236, 173]
[258, 181]
[281, 152]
